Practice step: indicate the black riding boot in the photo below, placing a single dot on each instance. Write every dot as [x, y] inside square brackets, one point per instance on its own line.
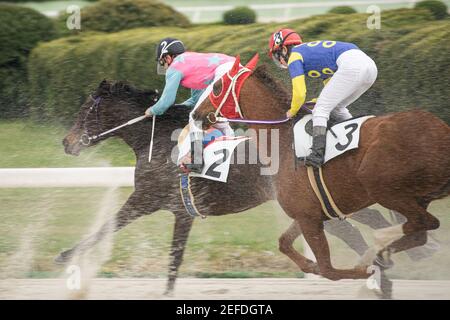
[316, 157]
[196, 164]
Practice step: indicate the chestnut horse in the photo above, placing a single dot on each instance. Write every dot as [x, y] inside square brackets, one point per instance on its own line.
[156, 183]
[402, 163]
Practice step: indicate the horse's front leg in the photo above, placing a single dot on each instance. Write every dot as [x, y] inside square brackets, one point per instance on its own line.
[183, 225]
[314, 234]
[135, 207]
[286, 242]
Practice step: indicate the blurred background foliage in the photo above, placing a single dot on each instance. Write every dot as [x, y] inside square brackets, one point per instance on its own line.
[116, 15]
[20, 31]
[239, 15]
[411, 51]
[342, 10]
[437, 8]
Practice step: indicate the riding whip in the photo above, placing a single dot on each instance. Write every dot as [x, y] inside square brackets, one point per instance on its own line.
[150, 150]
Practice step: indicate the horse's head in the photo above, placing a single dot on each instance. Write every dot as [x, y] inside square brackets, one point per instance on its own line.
[233, 96]
[112, 104]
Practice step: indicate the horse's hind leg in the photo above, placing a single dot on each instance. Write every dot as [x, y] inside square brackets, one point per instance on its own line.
[419, 221]
[372, 218]
[313, 231]
[414, 234]
[404, 236]
[183, 225]
[348, 233]
[130, 211]
[286, 242]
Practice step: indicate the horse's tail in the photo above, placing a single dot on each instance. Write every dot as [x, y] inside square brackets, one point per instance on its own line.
[437, 148]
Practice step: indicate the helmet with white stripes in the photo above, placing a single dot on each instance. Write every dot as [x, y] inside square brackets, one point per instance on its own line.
[167, 46]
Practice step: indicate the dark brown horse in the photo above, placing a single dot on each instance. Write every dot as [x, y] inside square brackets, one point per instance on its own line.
[156, 184]
[402, 163]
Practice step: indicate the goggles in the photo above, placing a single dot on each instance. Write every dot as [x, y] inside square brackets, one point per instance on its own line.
[276, 56]
[161, 67]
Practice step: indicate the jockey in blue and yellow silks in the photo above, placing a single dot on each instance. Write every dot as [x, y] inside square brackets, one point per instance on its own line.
[345, 70]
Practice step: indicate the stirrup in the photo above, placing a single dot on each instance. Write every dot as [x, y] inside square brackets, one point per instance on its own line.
[192, 167]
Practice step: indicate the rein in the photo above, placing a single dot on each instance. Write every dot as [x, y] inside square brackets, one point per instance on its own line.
[86, 139]
[213, 118]
[219, 115]
[249, 121]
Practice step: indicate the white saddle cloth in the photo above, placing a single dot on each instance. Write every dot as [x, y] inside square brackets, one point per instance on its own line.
[341, 137]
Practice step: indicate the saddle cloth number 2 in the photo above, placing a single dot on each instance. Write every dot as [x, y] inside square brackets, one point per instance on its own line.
[217, 158]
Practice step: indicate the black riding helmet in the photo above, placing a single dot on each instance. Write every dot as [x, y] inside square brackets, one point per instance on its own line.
[169, 46]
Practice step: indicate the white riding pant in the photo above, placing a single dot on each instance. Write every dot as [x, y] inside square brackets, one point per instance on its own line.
[355, 75]
[224, 127]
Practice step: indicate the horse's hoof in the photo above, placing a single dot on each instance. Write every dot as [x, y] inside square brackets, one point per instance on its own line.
[366, 293]
[168, 293]
[386, 285]
[312, 267]
[63, 257]
[78, 295]
[386, 289]
[383, 260]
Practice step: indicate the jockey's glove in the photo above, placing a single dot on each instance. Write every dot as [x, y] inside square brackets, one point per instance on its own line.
[149, 112]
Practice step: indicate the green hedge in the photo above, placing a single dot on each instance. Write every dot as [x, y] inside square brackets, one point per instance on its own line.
[342, 10]
[21, 1]
[239, 15]
[416, 70]
[20, 31]
[437, 8]
[117, 15]
[410, 50]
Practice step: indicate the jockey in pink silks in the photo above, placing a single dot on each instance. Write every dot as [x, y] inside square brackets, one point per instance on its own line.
[192, 70]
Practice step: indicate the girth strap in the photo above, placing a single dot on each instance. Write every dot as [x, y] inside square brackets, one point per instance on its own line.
[320, 189]
[187, 196]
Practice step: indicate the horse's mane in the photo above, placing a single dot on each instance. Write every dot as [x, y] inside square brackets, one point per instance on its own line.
[124, 91]
[262, 73]
[173, 117]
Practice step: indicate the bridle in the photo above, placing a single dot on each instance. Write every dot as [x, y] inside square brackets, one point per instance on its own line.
[86, 139]
[213, 116]
[232, 90]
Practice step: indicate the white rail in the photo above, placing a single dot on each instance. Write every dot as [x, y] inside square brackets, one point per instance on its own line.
[196, 11]
[323, 4]
[66, 177]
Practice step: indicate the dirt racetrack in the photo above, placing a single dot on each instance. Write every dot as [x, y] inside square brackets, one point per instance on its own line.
[267, 288]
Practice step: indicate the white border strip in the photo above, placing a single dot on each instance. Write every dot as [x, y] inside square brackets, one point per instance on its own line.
[67, 177]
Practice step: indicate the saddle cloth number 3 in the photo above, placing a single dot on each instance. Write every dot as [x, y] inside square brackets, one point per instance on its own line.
[341, 137]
